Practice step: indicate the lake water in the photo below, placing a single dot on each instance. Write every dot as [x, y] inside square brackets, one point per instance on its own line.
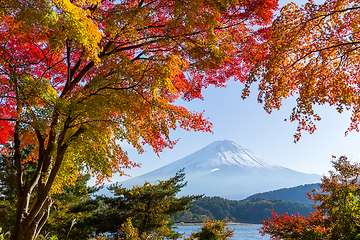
[242, 232]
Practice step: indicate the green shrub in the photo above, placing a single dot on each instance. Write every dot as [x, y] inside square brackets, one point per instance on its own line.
[212, 230]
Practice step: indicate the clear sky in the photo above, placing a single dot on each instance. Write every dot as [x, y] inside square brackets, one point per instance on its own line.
[267, 135]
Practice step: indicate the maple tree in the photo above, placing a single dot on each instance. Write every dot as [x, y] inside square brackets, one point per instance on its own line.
[337, 214]
[313, 55]
[79, 77]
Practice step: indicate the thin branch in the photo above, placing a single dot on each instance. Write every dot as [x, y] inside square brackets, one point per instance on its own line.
[8, 119]
[51, 67]
[323, 16]
[141, 3]
[68, 60]
[77, 65]
[80, 131]
[322, 49]
[77, 79]
[143, 97]
[91, 121]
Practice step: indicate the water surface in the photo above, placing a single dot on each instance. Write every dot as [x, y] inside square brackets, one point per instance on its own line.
[241, 232]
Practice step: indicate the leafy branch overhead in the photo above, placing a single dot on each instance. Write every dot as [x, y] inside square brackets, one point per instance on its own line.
[313, 55]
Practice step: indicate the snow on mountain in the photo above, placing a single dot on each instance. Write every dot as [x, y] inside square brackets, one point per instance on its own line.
[228, 170]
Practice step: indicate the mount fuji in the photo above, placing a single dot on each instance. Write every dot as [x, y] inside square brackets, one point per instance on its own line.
[228, 170]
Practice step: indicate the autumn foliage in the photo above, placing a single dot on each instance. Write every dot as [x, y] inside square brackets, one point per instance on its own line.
[337, 212]
[313, 55]
[77, 78]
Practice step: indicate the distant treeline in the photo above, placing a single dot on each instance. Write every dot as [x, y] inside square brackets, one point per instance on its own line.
[243, 211]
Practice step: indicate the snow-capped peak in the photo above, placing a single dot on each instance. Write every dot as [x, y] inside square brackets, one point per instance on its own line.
[226, 153]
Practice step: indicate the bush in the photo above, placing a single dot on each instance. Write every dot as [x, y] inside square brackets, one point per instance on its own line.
[212, 230]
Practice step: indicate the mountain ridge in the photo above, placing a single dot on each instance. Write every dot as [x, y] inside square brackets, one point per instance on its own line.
[225, 169]
[297, 193]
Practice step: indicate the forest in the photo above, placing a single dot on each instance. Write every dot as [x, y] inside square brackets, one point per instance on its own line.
[244, 211]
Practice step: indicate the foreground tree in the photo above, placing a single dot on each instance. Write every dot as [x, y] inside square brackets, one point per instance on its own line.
[149, 208]
[79, 77]
[8, 195]
[314, 56]
[337, 213]
[73, 203]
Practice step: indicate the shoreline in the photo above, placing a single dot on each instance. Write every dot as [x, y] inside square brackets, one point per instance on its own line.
[194, 224]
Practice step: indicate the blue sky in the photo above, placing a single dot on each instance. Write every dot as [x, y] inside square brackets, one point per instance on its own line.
[267, 135]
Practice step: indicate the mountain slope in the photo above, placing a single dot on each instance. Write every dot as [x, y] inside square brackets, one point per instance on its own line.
[226, 169]
[297, 193]
[240, 211]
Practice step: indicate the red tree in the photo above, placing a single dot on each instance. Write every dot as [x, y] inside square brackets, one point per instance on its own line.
[337, 211]
[78, 77]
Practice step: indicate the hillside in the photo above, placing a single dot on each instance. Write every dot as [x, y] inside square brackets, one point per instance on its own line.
[288, 194]
[251, 211]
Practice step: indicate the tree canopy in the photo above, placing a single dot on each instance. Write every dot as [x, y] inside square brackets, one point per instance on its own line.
[313, 54]
[77, 78]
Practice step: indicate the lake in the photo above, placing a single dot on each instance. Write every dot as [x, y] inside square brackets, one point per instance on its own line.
[242, 232]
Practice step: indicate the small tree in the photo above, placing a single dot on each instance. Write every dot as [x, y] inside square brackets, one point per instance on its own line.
[212, 230]
[337, 214]
[129, 231]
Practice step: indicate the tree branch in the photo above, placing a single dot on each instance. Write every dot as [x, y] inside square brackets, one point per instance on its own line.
[8, 119]
[68, 51]
[323, 49]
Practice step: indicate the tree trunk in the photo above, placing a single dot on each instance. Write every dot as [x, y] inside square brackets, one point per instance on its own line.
[23, 232]
[30, 220]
